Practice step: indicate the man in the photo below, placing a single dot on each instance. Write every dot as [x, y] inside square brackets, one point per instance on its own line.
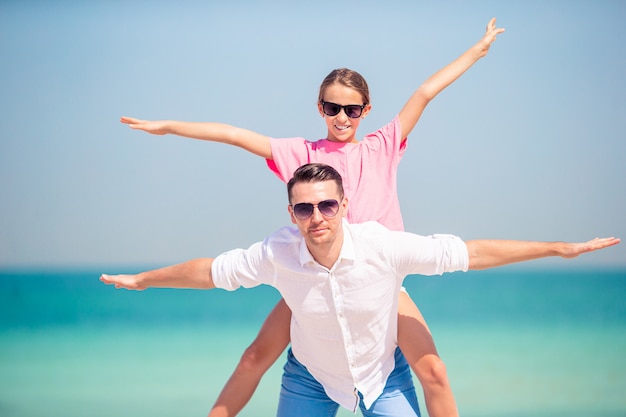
[342, 282]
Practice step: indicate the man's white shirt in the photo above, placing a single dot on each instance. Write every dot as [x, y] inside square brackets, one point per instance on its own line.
[344, 319]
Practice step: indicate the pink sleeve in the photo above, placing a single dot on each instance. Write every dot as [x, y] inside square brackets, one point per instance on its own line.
[387, 141]
[288, 155]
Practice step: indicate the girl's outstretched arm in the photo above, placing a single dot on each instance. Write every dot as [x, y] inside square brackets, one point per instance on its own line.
[215, 132]
[412, 110]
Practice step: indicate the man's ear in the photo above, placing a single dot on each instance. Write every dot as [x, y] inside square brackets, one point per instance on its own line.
[344, 207]
[293, 218]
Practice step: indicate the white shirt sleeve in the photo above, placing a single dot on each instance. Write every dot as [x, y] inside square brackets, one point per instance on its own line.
[242, 268]
[429, 255]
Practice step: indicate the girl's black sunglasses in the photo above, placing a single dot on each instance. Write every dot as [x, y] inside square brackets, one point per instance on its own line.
[353, 111]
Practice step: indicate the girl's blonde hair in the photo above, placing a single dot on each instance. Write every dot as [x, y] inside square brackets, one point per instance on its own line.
[348, 78]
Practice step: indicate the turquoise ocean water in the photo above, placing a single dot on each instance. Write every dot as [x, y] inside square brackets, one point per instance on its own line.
[516, 343]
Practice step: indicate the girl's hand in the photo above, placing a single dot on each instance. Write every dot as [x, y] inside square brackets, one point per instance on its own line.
[490, 37]
[156, 127]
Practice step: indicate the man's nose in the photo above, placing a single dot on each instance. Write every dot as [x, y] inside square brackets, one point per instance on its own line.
[317, 214]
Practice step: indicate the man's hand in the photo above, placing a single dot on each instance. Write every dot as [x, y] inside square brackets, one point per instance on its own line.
[572, 250]
[129, 282]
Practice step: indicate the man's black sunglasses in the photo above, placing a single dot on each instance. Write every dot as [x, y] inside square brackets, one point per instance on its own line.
[328, 208]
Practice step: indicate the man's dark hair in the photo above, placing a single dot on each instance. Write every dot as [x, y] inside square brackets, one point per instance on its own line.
[315, 173]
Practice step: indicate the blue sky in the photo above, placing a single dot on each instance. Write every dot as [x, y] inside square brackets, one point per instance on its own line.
[529, 144]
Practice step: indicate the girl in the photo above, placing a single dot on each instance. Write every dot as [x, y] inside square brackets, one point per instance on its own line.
[369, 169]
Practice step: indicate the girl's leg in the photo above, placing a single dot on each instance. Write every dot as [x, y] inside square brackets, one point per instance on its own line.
[255, 361]
[416, 342]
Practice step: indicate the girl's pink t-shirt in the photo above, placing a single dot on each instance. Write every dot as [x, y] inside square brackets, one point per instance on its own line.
[369, 170]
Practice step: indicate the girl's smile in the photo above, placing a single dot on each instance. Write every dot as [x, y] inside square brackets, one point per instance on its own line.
[342, 128]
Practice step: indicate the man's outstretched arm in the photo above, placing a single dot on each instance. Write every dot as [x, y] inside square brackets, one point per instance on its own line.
[485, 254]
[195, 273]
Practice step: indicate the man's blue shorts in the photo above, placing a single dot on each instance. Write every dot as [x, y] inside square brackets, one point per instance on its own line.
[302, 396]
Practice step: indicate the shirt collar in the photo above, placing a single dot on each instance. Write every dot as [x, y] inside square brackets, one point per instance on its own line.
[347, 249]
